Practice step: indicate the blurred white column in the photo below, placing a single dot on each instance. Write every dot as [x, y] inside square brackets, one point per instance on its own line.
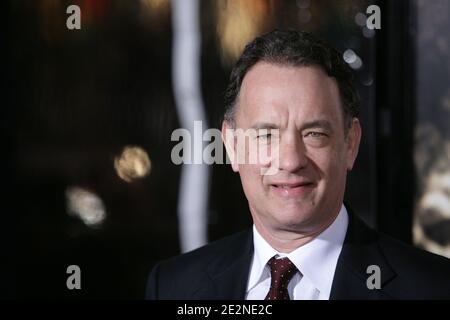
[193, 193]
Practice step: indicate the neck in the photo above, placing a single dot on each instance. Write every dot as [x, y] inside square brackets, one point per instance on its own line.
[286, 240]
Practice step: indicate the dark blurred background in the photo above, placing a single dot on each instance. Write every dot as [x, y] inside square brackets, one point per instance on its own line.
[89, 113]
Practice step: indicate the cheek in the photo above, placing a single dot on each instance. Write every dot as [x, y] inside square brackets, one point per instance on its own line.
[250, 177]
[331, 164]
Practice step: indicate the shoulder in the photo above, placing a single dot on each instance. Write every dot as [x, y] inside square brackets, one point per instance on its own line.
[424, 269]
[407, 272]
[186, 271]
[201, 257]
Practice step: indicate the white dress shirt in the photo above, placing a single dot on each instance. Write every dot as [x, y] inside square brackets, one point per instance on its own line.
[316, 262]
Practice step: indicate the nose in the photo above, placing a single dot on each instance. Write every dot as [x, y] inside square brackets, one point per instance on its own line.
[292, 153]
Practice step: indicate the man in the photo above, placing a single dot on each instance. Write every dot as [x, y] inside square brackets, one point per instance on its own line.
[296, 93]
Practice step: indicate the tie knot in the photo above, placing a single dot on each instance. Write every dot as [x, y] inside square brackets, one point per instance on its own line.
[282, 271]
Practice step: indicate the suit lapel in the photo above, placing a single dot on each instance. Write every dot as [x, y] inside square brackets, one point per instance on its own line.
[229, 273]
[360, 250]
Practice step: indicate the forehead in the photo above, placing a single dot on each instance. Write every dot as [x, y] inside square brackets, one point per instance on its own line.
[276, 91]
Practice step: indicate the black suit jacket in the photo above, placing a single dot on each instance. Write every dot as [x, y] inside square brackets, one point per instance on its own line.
[221, 269]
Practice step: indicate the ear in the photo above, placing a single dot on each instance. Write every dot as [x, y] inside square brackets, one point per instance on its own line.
[230, 145]
[353, 141]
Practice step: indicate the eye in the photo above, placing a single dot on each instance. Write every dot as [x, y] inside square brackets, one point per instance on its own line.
[265, 136]
[315, 134]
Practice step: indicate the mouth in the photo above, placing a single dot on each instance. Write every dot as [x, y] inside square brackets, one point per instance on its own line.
[292, 189]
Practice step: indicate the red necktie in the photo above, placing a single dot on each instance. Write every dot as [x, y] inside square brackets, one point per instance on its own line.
[282, 271]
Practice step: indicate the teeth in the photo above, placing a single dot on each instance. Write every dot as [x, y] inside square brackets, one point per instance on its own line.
[291, 187]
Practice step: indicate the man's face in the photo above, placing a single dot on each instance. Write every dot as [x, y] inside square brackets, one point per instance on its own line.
[311, 151]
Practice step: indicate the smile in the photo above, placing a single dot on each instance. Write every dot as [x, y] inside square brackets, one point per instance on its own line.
[292, 190]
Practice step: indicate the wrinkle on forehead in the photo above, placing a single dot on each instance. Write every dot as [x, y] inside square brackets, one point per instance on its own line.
[276, 93]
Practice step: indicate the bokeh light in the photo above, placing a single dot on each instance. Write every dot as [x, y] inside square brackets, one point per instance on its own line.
[85, 205]
[132, 164]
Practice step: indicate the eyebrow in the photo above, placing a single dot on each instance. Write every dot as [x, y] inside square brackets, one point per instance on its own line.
[264, 125]
[324, 124]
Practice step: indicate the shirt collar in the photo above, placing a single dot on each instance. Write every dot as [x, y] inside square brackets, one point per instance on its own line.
[315, 260]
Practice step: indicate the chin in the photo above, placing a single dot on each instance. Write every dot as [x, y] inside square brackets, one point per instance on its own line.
[302, 208]
[296, 218]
